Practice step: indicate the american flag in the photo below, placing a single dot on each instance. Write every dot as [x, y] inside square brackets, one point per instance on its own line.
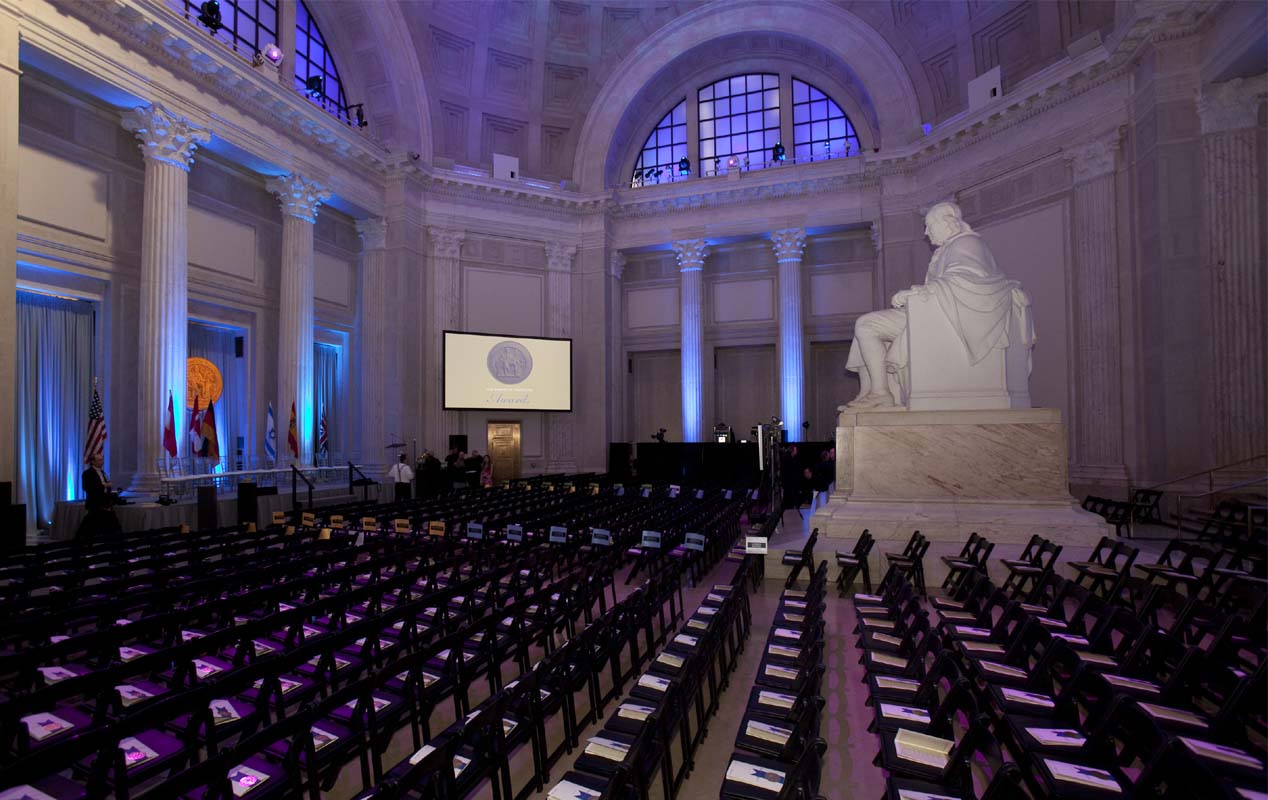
[323, 443]
[96, 427]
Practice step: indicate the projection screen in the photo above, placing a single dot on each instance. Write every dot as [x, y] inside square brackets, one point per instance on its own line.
[487, 372]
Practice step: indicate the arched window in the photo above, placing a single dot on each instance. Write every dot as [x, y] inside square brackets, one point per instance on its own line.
[315, 72]
[663, 149]
[246, 25]
[820, 127]
[739, 117]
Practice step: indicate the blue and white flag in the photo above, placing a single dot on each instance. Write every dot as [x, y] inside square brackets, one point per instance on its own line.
[270, 436]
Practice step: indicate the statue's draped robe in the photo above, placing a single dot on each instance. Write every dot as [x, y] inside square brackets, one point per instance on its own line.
[976, 297]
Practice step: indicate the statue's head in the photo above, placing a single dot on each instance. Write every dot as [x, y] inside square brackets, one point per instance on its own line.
[944, 221]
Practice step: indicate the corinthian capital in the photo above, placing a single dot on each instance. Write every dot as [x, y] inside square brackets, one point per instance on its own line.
[1095, 158]
[165, 137]
[446, 242]
[788, 243]
[559, 256]
[298, 196]
[1229, 106]
[373, 233]
[616, 264]
[690, 253]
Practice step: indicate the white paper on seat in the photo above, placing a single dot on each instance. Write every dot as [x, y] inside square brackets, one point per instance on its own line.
[754, 775]
[1087, 776]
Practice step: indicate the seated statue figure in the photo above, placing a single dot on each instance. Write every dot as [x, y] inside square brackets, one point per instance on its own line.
[981, 305]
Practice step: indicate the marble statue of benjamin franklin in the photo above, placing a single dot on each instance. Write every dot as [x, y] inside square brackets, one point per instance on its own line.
[979, 302]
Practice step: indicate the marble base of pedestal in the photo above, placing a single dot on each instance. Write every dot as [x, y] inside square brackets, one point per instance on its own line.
[1002, 473]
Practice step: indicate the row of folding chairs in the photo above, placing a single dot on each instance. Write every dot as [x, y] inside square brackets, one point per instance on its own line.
[778, 749]
[661, 723]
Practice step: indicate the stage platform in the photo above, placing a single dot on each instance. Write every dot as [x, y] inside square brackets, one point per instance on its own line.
[143, 516]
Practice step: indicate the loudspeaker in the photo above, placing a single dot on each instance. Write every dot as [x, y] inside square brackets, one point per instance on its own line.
[458, 440]
[248, 503]
[239, 343]
[208, 509]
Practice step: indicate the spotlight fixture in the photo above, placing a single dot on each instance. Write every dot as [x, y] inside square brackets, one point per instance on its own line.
[272, 53]
[209, 16]
[777, 152]
[732, 162]
[314, 86]
[360, 114]
[684, 166]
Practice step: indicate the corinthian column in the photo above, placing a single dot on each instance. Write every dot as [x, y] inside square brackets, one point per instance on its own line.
[300, 198]
[789, 244]
[561, 453]
[377, 347]
[446, 248]
[1097, 424]
[1233, 267]
[167, 144]
[690, 253]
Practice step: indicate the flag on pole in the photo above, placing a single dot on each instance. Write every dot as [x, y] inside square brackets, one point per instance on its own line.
[196, 430]
[211, 444]
[270, 436]
[292, 436]
[95, 445]
[169, 428]
[323, 443]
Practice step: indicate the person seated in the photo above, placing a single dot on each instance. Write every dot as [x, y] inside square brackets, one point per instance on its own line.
[970, 289]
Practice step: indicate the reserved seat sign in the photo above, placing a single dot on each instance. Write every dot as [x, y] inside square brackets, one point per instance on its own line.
[436, 528]
[600, 538]
[651, 539]
[475, 530]
[755, 545]
[558, 535]
[693, 541]
[515, 533]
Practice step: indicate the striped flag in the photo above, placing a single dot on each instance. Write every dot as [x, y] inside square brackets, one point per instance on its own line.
[96, 444]
[323, 442]
[270, 436]
[292, 435]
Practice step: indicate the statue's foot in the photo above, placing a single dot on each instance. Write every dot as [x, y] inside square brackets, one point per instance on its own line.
[872, 400]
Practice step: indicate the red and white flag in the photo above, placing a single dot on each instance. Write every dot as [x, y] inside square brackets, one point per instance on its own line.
[96, 443]
[169, 428]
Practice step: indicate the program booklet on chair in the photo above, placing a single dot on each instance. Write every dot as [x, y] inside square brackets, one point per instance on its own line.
[135, 752]
[30, 793]
[610, 749]
[921, 748]
[1219, 752]
[567, 790]
[768, 733]
[754, 775]
[42, 726]
[244, 779]
[1086, 776]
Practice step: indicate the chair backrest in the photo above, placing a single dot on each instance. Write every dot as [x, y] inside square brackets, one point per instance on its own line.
[909, 549]
[863, 547]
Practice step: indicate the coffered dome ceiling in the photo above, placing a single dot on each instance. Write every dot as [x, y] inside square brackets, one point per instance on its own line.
[522, 77]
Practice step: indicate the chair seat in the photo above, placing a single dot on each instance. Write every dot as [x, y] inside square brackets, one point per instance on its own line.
[53, 786]
[61, 723]
[1069, 780]
[750, 777]
[765, 735]
[256, 777]
[1049, 737]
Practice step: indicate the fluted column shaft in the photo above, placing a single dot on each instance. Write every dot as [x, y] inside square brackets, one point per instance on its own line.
[1098, 419]
[167, 144]
[300, 199]
[445, 251]
[691, 253]
[561, 453]
[376, 296]
[1233, 264]
[9, 72]
[789, 245]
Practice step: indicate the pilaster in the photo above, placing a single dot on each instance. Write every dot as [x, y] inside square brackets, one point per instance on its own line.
[377, 347]
[561, 427]
[445, 250]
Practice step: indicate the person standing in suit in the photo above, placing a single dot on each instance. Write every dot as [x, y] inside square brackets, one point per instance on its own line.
[98, 502]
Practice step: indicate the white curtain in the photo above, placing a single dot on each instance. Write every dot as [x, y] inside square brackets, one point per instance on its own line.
[55, 364]
[326, 396]
[215, 344]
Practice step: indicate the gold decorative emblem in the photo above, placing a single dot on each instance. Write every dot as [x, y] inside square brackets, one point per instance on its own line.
[202, 380]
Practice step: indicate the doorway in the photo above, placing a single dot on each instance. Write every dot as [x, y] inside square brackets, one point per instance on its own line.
[504, 450]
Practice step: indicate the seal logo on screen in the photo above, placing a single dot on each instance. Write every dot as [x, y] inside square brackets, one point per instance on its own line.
[509, 362]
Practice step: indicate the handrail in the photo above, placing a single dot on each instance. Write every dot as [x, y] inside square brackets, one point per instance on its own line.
[1200, 473]
[295, 489]
[365, 487]
[1222, 489]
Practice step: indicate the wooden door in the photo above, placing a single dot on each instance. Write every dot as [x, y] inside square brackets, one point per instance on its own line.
[504, 450]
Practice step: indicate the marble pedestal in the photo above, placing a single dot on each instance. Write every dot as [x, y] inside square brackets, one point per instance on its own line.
[1000, 472]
